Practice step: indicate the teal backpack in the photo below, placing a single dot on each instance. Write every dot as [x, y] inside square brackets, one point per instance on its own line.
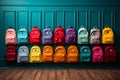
[85, 54]
[22, 36]
[82, 36]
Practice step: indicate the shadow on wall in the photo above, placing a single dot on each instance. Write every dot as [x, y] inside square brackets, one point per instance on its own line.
[117, 45]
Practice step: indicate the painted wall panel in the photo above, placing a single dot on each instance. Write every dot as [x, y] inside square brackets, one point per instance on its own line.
[36, 19]
[2, 43]
[94, 19]
[117, 21]
[22, 19]
[1, 18]
[59, 18]
[48, 19]
[107, 18]
[82, 19]
[69, 19]
[9, 19]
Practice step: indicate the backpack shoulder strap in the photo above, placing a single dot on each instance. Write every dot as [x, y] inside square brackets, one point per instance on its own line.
[47, 26]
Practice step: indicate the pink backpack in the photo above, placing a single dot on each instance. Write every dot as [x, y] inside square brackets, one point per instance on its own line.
[10, 37]
[97, 54]
[109, 54]
[95, 36]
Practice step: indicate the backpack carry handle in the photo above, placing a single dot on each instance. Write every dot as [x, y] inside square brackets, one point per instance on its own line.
[107, 26]
[22, 27]
[35, 27]
[47, 26]
[70, 26]
[10, 27]
[82, 26]
[95, 27]
[59, 26]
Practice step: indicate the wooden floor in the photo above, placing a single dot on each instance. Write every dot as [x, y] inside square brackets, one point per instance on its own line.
[64, 74]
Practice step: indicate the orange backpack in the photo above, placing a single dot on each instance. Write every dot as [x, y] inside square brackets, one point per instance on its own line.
[60, 54]
[47, 55]
[72, 54]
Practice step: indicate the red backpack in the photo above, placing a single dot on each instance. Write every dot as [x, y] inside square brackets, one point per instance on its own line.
[11, 53]
[35, 35]
[109, 54]
[59, 35]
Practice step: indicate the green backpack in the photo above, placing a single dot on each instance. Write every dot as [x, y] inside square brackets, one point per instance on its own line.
[82, 36]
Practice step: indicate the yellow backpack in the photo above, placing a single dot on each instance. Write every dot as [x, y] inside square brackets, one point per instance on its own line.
[60, 54]
[72, 54]
[107, 36]
[35, 54]
[47, 55]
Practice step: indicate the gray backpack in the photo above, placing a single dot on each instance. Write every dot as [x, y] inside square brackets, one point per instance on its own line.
[23, 54]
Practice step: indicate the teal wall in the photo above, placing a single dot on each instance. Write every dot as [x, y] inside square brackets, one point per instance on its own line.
[41, 13]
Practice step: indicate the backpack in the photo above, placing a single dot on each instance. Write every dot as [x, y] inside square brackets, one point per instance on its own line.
[11, 53]
[22, 36]
[95, 36]
[10, 37]
[97, 54]
[110, 54]
[23, 54]
[70, 35]
[35, 54]
[35, 35]
[85, 54]
[60, 54]
[82, 36]
[59, 35]
[107, 35]
[47, 55]
[47, 36]
[72, 54]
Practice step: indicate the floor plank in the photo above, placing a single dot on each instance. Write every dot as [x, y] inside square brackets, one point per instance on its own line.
[38, 75]
[18, 74]
[58, 74]
[26, 75]
[44, 75]
[51, 75]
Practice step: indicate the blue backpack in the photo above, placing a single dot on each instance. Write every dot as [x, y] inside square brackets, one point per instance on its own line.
[22, 36]
[85, 54]
[23, 54]
[47, 36]
[82, 36]
[70, 35]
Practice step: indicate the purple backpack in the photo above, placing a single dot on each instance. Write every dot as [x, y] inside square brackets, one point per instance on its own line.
[47, 36]
[70, 35]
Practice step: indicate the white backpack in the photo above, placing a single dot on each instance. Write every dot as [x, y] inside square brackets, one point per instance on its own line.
[95, 36]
